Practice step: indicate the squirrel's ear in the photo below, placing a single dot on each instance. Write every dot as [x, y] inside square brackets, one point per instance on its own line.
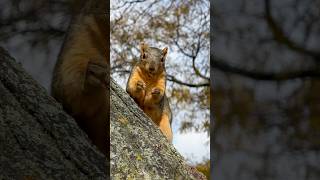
[143, 47]
[164, 52]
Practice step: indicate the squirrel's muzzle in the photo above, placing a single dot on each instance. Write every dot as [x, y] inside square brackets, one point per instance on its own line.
[152, 69]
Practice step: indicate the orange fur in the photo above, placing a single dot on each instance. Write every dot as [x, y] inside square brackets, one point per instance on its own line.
[165, 127]
[136, 93]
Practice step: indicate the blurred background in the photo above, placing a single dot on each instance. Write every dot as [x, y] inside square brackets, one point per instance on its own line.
[33, 31]
[183, 27]
[266, 89]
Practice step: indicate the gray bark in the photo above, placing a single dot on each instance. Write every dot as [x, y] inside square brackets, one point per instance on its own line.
[38, 140]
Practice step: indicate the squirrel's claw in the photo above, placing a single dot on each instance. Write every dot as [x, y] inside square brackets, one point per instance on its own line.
[140, 85]
[155, 91]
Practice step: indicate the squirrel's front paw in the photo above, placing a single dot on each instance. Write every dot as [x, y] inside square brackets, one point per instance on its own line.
[140, 85]
[155, 91]
[97, 72]
[153, 98]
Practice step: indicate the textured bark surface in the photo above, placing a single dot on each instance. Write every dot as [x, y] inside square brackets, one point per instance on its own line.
[38, 140]
[138, 148]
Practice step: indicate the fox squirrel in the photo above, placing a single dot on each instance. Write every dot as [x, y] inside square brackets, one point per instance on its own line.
[81, 76]
[147, 85]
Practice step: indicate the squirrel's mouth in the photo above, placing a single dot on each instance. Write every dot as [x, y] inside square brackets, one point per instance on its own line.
[152, 72]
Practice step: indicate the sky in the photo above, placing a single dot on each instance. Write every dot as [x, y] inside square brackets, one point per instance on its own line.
[192, 145]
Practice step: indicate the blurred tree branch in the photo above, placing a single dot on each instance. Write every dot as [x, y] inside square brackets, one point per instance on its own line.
[281, 37]
[268, 76]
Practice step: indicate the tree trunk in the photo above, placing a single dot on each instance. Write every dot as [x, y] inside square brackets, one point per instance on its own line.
[38, 140]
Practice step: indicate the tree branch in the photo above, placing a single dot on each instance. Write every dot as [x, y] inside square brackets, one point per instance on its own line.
[280, 36]
[193, 56]
[173, 79]
[196, 70]
[267, 76]
[50, 31]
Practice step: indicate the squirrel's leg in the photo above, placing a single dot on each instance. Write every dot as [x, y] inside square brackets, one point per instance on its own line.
[85, 91]
[97, 128]
[136, 88]
[95, 103]
[83, 77]
[165, 126]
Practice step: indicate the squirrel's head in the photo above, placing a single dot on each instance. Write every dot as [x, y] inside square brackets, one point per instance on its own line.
[152, 59]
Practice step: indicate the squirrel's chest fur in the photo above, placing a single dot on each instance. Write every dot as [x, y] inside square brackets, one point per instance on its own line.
[151, 81]
[154, 111]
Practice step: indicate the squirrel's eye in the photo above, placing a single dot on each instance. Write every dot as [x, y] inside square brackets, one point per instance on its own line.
[162, 59]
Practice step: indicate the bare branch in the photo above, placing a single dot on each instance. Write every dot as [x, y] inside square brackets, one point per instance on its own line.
[267, 76]
[50, 31]
[280, 36]
[173, 79]
[193, 56]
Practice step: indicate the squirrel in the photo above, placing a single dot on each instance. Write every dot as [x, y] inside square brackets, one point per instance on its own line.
[81, 75]
[147, 85]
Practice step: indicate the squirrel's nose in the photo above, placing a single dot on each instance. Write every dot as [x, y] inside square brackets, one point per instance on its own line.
[152, 69]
